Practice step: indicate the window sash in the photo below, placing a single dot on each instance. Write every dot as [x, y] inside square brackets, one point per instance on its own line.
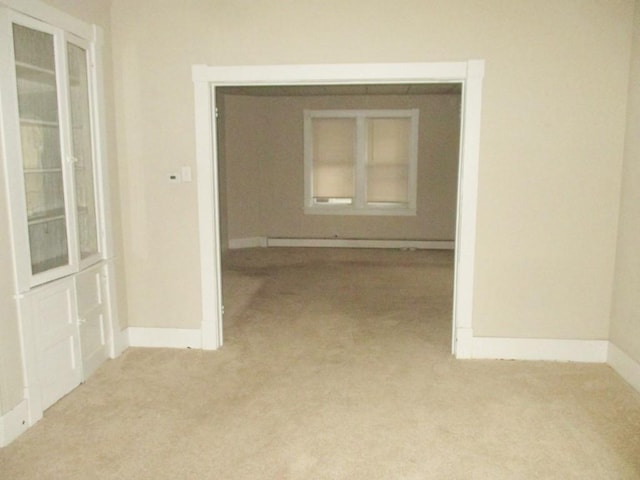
[334, 159]
[387, 160]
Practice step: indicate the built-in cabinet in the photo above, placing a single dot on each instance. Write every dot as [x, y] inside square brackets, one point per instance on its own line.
[93, 297]
[49, 317]
[56, 180]
[67, 325]
[53, 161]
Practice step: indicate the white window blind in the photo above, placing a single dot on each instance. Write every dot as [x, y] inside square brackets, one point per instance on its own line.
[334, 160]
[389, 141]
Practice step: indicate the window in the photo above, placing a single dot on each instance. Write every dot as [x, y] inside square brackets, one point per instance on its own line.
[361, 162]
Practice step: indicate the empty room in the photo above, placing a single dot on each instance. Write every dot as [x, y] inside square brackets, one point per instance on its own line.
[319, 239]
[263, 135]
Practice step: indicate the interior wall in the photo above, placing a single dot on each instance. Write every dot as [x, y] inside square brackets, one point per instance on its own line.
[552, 136]
[222, 175]
[265, 169]
[244, 121]
[11, 381]
[625, 318]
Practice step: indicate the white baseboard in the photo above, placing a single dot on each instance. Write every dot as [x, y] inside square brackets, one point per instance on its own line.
[463, 347]
[164, 337]
[252, 242]
[14, 423]
[627, 367]
[360, 243]
[588, 351]
[120, 343]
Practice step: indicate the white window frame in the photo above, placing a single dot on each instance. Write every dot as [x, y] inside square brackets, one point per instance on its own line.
[360, 205]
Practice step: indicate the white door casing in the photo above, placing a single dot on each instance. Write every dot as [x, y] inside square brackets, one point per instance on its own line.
[206, 79]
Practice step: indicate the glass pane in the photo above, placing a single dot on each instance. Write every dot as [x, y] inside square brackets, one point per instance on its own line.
[41, 154]
[389, 142]
[334, 152]
[82, 150]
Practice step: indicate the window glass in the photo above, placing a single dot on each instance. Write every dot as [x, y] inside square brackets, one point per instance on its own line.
[41, 153]
[81, 143]
[387, 160]
[334, 145]
[361, 161]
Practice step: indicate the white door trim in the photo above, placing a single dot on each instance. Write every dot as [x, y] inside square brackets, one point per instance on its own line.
[206, 79]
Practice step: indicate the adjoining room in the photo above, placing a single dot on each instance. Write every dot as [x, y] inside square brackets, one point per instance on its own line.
[263, 164]
[319, 239]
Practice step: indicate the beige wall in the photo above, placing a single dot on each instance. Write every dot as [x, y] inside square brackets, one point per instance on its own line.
[222, 175]
[553, 124]
[265, 169]
[11, 382]
[245, 124]
[625, 318]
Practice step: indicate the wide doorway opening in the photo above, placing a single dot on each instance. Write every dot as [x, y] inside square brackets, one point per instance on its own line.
[338, 268]
[214, 237]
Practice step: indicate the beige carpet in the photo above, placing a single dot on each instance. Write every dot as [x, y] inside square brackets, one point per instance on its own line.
[336, 366]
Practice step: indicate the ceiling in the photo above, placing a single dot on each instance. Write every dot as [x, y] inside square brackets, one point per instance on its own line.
[372, 89]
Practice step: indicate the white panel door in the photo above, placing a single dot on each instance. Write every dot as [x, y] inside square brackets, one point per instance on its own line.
[93, 312]
[53, 316]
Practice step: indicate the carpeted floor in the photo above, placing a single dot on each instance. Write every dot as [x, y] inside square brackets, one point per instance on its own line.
[336, 365]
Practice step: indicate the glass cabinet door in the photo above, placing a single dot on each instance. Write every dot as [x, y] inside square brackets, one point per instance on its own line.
[39, 116]
[82, 151]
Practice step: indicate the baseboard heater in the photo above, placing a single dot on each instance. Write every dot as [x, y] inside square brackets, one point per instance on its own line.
[341, 243]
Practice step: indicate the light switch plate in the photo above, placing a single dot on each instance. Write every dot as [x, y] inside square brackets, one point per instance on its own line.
[186, 174]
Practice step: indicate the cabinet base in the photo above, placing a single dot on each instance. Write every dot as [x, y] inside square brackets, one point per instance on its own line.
[14, 423]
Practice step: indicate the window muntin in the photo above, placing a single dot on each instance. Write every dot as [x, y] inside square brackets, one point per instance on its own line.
[361, 162]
